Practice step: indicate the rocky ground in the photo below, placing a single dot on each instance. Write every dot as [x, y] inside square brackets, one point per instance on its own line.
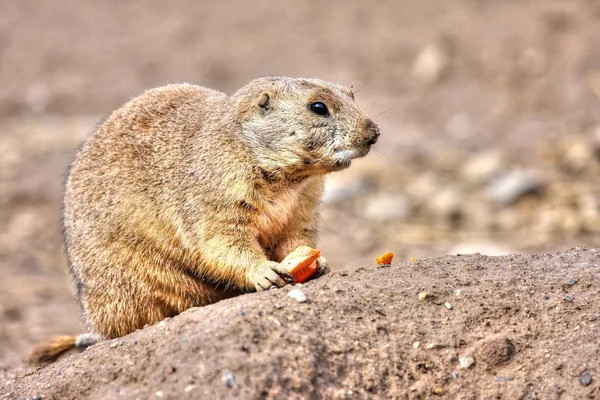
[490, 119]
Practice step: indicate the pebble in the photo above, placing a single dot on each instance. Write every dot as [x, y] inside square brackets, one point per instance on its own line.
[546, 297]
[466, 361]
[116, 343]
[454, 375]
[483, 167]
[240, 313]
[423, 295]
[278, 306]
[482, 247]
[571, 282]
[585, 378]
[503, 378]
[508, 188]
[36, 397]
[297, 295]
[416, 345]
[159, 393]
[343, 188]
[448, 305]
[569, 298]
[380, 311]
[228, 378]
[446, 204]
[433, 346]
[430, 64]
[189, 388]
[387, 207]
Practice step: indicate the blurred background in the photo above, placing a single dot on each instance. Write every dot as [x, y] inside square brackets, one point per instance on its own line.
[489, 112]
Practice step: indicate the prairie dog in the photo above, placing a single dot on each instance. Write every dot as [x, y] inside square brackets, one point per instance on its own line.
[185, 196]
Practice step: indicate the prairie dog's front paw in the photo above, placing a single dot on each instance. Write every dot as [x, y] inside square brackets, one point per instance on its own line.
[322, 267]
[267, 275]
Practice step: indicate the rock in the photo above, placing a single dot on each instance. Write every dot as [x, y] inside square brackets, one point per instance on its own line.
[380, 311]
[482, 247]
[483, 167]
[416, 345]
[466, 361]
[495, 351]
[228, 378]
[460, 126]
[386, 207]
[344, 187]
[423, 295]
[508, 188]
[569, 298]
[430, 64]
[448, 305]
[446, 204]
[585, 378]
[297, 295]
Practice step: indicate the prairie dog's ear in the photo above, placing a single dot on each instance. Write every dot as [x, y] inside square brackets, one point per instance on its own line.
[264, 102]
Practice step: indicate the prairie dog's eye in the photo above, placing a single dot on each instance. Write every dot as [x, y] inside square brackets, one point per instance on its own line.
[318, 108]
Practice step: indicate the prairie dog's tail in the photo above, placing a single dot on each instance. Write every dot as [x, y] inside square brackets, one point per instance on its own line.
[50, 350]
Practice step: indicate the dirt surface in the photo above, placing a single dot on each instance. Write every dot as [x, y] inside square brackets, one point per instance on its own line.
[490, 120]
[527, 325]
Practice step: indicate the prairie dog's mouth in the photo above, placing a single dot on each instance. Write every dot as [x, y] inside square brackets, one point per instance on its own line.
[343, 158]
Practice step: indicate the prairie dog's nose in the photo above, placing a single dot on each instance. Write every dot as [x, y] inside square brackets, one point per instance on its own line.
[371, 132]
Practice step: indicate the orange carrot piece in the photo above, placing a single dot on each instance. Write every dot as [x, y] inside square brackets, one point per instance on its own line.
[385, 259]
[302, 263]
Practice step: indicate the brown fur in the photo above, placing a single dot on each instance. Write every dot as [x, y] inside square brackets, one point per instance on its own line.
[186, 196]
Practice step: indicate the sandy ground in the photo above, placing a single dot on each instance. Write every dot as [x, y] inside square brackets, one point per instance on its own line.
[511, 327]
[490, 119]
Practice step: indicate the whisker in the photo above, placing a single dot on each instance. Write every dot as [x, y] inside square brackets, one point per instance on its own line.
[381, 113]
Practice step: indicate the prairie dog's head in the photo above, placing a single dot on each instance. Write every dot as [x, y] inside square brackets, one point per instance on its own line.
[305, 126]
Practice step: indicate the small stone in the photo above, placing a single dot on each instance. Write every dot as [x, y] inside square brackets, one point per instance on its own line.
[466, 361]
[423, 295]
[278, 306]
[342, 187]
[36, 397]
[454, 375]
[433, 346]
[189, 388]
[546, 297]
[571, 282]
[503, 379]
[228, 378]
[416, 345]
[115, 343]
[448, 305]
[430, 64]
[162, 324]
[569, 298]
[508, 188]
[240, 313]
[482, 247]
[458, 292]
[483, 167]
[438, 391]
[297, 295]
[159, 393]
[585, 378]
[387, 207]
[380, 311]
